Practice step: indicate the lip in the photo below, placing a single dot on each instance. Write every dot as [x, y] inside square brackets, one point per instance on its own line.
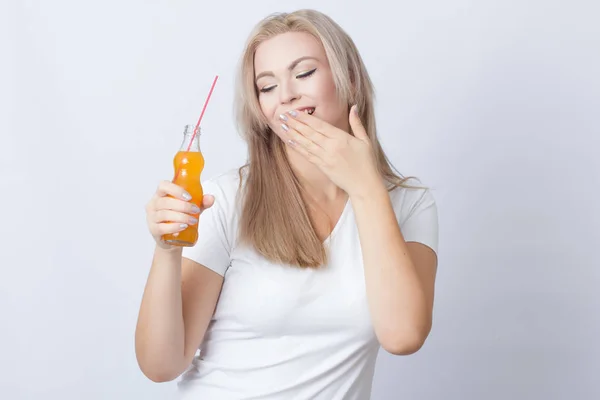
[302, 109]
[299, 109]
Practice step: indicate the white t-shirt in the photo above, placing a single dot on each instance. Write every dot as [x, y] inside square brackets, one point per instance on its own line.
[288, 333]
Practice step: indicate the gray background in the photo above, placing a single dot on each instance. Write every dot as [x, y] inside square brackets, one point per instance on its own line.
[494, 104]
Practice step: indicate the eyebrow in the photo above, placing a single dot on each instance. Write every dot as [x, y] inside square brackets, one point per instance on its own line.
[291, 67]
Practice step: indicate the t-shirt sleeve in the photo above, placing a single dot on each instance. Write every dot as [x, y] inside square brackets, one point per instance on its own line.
[214, 243]
[418, 216]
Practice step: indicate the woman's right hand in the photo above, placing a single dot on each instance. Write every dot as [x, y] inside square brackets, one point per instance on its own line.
[166, 214]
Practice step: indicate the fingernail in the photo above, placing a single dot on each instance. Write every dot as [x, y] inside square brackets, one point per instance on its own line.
[192, 221]
[195, 209]
[291, 142]
[283, 117]
[183, 226]
[285, 127]
[186, 196]
[355, 109]
[293, 113]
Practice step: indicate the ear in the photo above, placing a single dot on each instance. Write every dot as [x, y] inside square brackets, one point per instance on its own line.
[356, 124]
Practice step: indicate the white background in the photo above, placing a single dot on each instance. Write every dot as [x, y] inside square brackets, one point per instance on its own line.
[494, 104]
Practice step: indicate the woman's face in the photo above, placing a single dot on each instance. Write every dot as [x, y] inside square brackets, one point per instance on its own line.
[292, 73]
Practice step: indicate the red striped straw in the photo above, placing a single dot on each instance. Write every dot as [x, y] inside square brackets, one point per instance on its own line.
[200, 119]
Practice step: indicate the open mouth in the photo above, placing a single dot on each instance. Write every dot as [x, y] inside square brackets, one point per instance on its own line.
[308, 110]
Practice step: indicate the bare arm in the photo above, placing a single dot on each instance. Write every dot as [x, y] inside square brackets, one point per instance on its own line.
[180, 295]
[399, 276]
[177, 305]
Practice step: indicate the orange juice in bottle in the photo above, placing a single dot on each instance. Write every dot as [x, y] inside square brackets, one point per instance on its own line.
[188, 164]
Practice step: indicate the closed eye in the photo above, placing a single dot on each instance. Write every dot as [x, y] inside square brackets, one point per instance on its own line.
[306, 74]
[299, 76]
[267, 89]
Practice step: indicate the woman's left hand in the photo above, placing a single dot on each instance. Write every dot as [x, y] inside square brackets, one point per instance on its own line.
[347, 160]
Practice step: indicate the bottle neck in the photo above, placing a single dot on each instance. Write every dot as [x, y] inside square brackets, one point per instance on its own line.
[190, 141]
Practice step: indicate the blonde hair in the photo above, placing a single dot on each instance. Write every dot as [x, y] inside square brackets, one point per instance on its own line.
[274, 217]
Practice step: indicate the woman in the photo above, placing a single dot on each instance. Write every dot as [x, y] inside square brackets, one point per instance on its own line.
[311, 256]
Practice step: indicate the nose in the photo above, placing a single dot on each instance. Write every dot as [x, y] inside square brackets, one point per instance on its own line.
[288, 93]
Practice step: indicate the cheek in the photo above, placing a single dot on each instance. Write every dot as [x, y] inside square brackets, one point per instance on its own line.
[332, 111]
[268, 108]
[326, 97]
[326, 88]
[268, 111]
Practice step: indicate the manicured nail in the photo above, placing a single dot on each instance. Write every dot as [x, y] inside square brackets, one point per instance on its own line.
[291, 142]
[186, 196]
[283, 117]
[285, 127]
[183, 226]
[192, 221]
[355, 109]
[195, 209]
[293, 113]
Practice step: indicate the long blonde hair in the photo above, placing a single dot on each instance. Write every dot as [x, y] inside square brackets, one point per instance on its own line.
[275, 217]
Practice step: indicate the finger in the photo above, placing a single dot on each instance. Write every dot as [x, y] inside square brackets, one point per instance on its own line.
[170, 227]
[207, 201]
[301, 141]
[169, 188]
[170, 203]
[174, 216]
[305, 153]
[355, 123]
[304, 130]
[317, 124]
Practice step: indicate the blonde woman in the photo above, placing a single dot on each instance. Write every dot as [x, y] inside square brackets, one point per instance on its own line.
[311, 257]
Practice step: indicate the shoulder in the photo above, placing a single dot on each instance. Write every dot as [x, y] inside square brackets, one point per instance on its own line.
[416, 211]
[413, 196]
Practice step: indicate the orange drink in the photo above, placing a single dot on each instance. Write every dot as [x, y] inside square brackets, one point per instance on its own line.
[188, 164]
